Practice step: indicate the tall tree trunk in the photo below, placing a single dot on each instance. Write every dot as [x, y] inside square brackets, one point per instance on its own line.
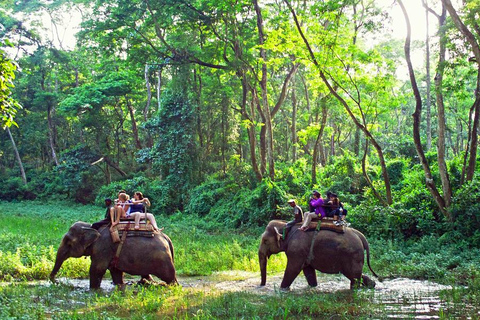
[332, 142]
[416, 123]
[147, 105]
[17, 156]
[251, 125]
[149, 94]
[294, 126]
[356, 143]
[476, 106]
[138, 144]
[263, 86]
[51, 131]
[263, 134]
[367, 177]
[318, 142]
[441, 155]
[428, 81]
[224, 126]
[307, 98]
[159, 89]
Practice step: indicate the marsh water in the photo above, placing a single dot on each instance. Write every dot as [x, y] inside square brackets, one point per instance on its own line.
[400, 298]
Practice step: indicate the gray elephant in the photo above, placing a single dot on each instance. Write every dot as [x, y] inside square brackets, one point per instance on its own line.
[330, 252]
[139, 255]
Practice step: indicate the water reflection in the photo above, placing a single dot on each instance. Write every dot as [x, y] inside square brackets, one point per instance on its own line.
[406, 298]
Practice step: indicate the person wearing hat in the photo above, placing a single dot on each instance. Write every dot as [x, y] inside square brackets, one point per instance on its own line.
[297, 212]
[108, 215]
[316, 210]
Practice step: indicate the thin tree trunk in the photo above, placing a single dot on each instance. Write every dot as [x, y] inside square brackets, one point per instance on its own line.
[252, 143]
[51, 132]
[149, 94]
[251, 125]
[428, 81]
[441, 154]
[159, 89]
[294, 126]
[307, 98]
[263, 134]
[134, 123]
[356, 144]
[367, 178]
[416, 123]
[114, 166]
[318, 143]
[472, 161]
[263, 86]
[332, 143]
[224, 127]
[17, 156]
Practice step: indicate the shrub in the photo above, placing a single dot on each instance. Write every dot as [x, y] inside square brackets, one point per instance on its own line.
[249, 207]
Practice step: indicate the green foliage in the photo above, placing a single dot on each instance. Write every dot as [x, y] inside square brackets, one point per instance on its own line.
[234, 206]
[344, 177]
[75, 171]
[8, 106]
[173, 154]
[395, 170]
[13, 189]
[466, 212]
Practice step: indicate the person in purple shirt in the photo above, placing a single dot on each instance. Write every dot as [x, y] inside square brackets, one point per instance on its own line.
[316, 210]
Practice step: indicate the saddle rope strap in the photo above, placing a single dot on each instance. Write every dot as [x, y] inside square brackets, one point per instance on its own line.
[120, 245]
[310, 253]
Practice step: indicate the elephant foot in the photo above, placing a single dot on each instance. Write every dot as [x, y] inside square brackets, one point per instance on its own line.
[146, 281]
[286, 289]
[367, 282]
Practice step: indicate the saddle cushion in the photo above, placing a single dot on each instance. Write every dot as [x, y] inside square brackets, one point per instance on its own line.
[327, 224]
[130, 225]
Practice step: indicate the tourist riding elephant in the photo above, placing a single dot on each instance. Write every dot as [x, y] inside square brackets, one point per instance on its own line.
[138, 256]
[330, 252]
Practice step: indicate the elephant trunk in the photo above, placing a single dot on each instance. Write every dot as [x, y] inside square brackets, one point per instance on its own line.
[61, 257]
[262, 258]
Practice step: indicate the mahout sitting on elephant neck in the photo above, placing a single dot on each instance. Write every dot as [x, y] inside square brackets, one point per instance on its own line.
[139, 256]
[330, 252]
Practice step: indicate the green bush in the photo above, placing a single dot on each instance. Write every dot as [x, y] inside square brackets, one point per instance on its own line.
[466, 211]
[205, 196]
[12, 189]
[248, 207]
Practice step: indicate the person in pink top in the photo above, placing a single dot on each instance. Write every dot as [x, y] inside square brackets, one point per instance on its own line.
[316, 210]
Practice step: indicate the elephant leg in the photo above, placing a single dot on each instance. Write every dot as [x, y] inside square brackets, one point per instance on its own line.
[291, 273]
[117, 276]
[310, 275]
[367, 282]
[147, 278]
[167, 273]
[96, 276]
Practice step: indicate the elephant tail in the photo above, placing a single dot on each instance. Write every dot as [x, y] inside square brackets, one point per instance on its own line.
[366, 247]
[170, 244]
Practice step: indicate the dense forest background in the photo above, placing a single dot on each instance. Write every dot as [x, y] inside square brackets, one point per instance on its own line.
[225, 109]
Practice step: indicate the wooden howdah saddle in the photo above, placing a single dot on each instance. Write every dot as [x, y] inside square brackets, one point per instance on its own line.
[325, 224]
[126, 228]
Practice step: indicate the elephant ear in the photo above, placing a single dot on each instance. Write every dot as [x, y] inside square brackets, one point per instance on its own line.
[278, 236]
[89, 236]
